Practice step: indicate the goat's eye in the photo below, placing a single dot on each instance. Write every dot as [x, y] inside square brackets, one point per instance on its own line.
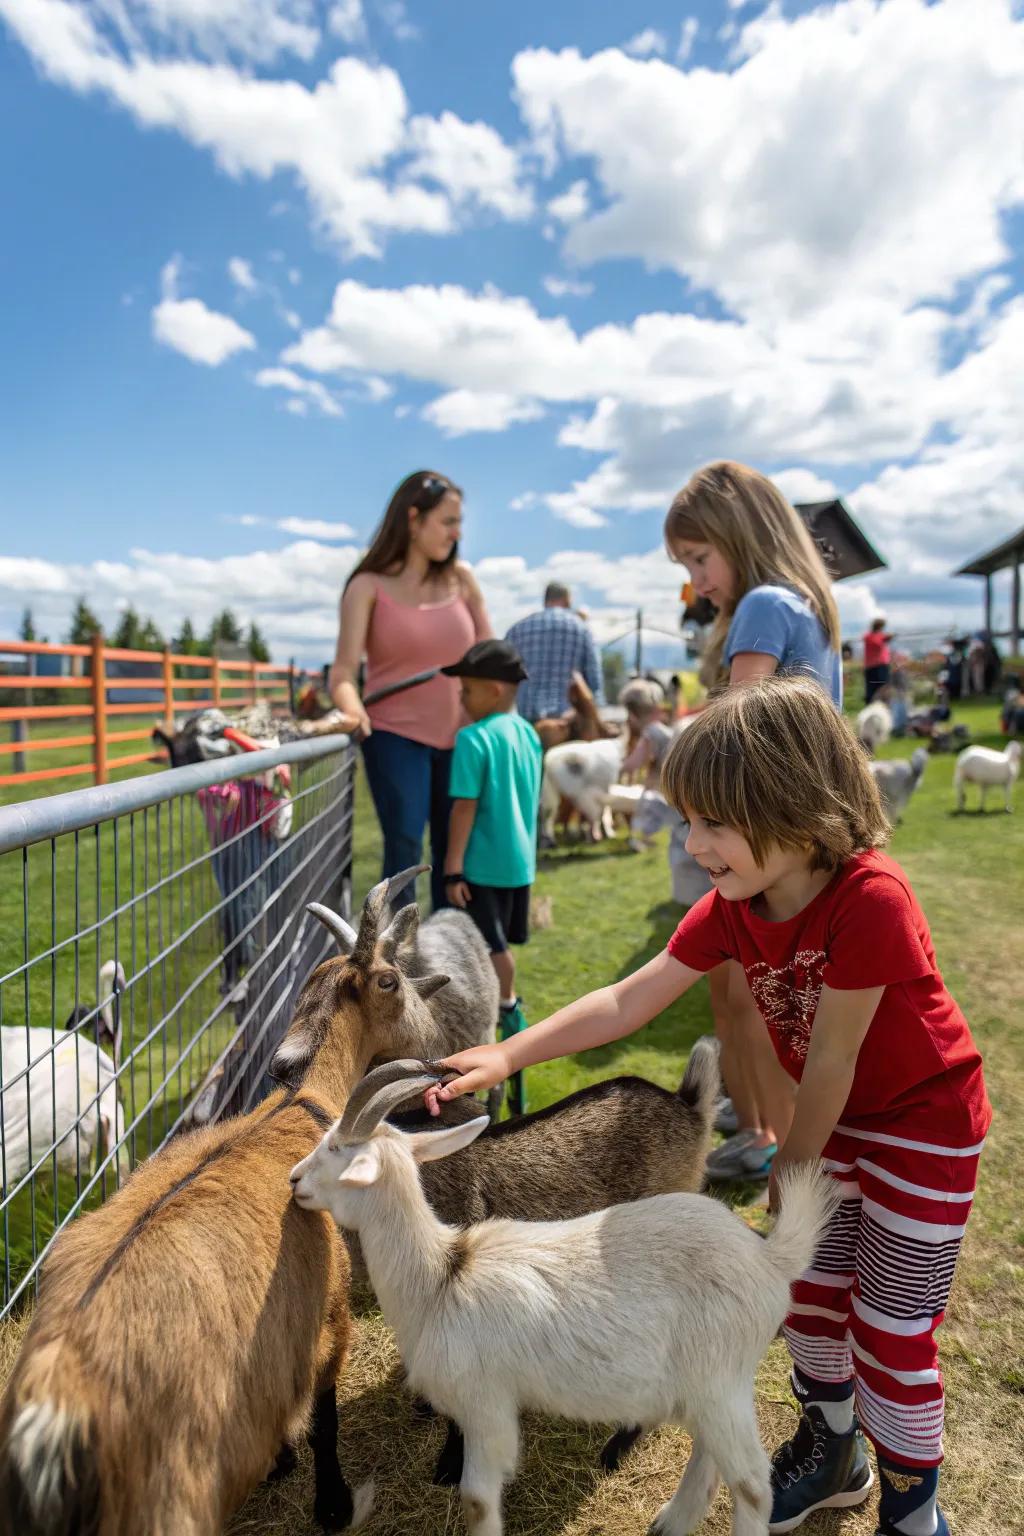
[388, 982]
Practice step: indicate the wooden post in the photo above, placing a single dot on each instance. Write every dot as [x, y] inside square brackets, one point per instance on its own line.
[168, 690]
[1015, 610]
[99, 706]
[291, 685]
[988, 602]
[254, 680]
[639, 656]
[215, 676]
[19, 732]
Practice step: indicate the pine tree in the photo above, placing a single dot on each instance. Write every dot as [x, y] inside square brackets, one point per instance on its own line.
[28, 629]
[150, 637]
[186, 641]
[127, 635]
[258, 648]
[84, 624]
[224, 627]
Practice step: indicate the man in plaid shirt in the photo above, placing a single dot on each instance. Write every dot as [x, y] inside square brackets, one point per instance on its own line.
[554, 644]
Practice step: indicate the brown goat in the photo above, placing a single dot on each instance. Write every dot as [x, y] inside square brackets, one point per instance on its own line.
[185, 1329]
[581, 723]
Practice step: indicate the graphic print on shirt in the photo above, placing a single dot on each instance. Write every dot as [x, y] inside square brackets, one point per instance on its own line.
[787, 998]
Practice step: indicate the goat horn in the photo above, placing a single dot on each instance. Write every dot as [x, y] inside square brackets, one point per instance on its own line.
[381, 1091]
[336, 924]
[374, 907]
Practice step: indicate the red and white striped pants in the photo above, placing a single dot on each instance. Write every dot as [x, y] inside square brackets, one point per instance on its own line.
[869, 1305]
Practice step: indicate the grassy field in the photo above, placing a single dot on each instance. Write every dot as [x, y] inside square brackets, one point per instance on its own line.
[610, 912]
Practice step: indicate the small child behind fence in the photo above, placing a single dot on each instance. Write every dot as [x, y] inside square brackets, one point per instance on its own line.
[492, 836]
[785, 816]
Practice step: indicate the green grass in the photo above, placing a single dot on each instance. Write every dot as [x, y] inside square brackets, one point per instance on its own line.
[610, 912]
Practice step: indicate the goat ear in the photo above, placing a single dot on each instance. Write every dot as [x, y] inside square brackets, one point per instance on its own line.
[364, 1169]
[427, 1146]
[426, 986]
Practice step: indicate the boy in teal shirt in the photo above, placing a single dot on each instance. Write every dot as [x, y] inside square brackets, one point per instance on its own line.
[492, 836]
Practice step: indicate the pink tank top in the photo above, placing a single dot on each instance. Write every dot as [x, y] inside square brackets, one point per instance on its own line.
[403, 640]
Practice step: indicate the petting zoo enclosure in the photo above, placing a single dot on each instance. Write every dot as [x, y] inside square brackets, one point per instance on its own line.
[153, 941]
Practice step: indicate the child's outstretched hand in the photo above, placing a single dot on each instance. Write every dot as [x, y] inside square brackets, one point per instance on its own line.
[482, 1066]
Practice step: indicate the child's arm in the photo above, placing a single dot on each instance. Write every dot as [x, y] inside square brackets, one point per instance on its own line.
[601, 1016]
[840, 1025]
[460, 825]
[639, 757]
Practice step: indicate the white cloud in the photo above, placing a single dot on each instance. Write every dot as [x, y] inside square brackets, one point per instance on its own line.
[395, 16]
[471, 161]
[841, 189]
[294, 276]
[688, 33]
[803, 484]
[340, 138]
[567, 287]
[467, 410]
[304, 392]
[189, 327]
[253, 30]
[345, 19]
[572, 204]
[317, 528]
[241, 274]
[646, 42]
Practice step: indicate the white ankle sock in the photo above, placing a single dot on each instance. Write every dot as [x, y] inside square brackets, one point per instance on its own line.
[507, 1002]
[838, 1416]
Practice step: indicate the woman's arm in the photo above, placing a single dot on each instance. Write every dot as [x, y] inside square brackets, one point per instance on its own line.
[751, 666]
[840, 1024]
[356, 607]
[601, 1016]
[474, 600]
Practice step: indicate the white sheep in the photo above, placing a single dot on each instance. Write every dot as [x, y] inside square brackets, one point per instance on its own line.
[653, 1312]
[874, 724]
[897, 778]
[984, 767]
[60, 1088]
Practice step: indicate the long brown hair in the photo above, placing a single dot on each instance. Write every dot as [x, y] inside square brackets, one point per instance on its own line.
[752, 525]
[775, 761]
[423, 490]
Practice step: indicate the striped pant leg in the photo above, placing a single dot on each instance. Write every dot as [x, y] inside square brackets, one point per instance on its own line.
[817, 1326]
[915, 1204]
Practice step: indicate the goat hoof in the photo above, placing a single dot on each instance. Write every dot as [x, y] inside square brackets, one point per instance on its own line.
[422, 1409]
[620, 1444]
[333, 1508]
[285, 1464]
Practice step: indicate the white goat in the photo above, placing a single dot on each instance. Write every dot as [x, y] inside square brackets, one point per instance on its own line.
[984, 767]
[63, 1088]
[874, 724]
[657, 1311]
[584, 773]
[897, 778]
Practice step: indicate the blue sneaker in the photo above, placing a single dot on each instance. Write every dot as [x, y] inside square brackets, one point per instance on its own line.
[817, 1470]
[739, 1158]
[941, 1529]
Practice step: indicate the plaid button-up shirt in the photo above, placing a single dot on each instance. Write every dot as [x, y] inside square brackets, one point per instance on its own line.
[554, 644]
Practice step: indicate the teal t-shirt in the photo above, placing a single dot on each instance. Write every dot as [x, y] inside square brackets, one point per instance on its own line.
[497, 763]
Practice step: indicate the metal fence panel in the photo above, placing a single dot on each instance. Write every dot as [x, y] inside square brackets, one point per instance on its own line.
[194, 882]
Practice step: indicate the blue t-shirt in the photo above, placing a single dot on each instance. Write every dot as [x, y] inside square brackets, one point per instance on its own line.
[776, 621]
[497, 763]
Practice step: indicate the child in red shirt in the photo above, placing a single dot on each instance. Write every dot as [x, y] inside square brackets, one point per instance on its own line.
[784, 815]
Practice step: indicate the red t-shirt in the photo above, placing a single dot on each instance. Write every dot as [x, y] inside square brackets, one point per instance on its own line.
[876, 649]
[918, 1068]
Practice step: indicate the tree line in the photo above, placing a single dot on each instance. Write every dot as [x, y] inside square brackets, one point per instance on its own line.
[137, 632]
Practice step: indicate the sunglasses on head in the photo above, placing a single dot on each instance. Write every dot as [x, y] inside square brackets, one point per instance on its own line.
[433, 490]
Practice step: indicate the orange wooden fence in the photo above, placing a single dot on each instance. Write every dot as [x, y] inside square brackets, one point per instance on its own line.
[225, 684]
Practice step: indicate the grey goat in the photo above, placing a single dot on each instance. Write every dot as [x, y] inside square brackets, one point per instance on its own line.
[897, 778]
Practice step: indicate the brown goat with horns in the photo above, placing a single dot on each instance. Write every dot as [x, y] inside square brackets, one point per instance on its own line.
[191, 1328]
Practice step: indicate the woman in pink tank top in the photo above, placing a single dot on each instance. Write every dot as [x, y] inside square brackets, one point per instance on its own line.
[410, 605]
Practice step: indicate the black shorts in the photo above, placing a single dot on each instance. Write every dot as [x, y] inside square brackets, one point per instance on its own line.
[502, 914]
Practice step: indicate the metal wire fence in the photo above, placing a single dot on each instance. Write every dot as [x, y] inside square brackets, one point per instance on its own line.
[153, 936]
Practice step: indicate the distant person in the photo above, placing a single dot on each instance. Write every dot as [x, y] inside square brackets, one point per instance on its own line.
[877, 659]
[410, 604]
[554, 644]
[492, 838]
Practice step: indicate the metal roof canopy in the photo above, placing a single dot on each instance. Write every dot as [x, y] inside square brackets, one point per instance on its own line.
[847, 550]
[1006, 556]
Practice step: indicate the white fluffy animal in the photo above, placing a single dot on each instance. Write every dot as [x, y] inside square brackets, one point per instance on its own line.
[66, 1094]
[874, 724]
[652, 1312]
[985, 767]
[897, 778]
[584, 773]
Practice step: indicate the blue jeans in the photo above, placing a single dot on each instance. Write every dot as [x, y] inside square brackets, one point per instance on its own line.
[409, 785]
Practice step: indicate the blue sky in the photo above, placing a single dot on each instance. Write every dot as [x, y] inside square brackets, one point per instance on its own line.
[263, 257]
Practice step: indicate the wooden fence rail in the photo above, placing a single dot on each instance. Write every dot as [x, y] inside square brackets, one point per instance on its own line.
[94, 687]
